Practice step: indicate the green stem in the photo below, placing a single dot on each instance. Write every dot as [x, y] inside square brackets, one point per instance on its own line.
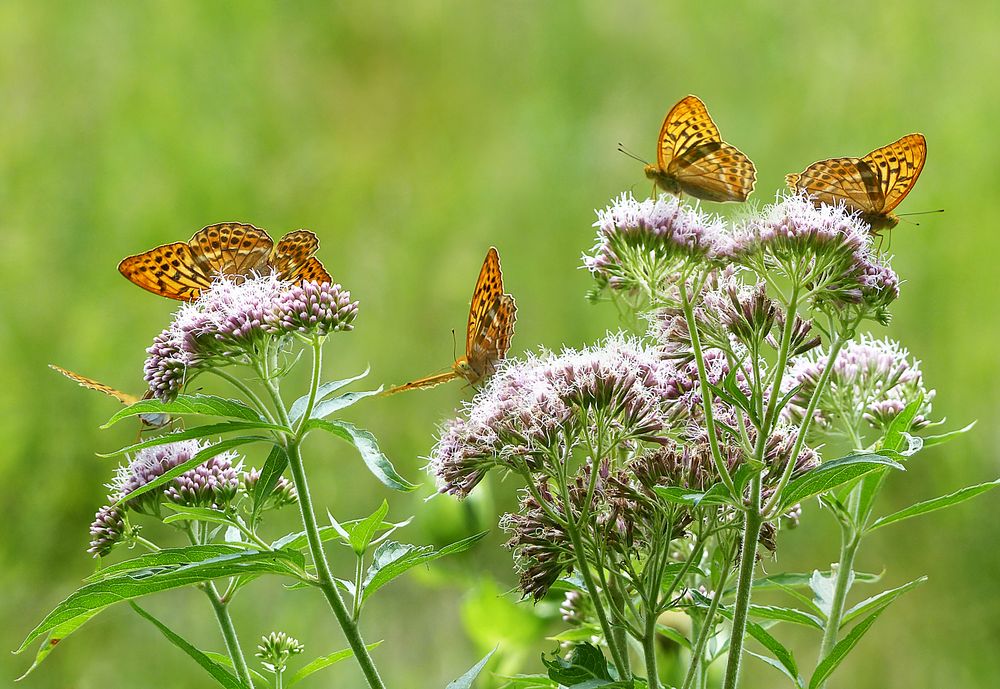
[748, 561]
[705, 633]
[617, 604]
[706, 392]
[327, 584]
[649, 650]
[246, 390]
[221, 609]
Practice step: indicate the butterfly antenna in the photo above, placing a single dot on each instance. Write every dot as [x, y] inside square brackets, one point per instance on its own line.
[454, 344]
[633, 156]
[939, 210]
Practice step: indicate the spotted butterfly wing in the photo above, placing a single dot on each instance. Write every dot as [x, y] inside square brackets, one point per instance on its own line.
[155, 420]
[874, 184]
[693, 159]
[294, 261]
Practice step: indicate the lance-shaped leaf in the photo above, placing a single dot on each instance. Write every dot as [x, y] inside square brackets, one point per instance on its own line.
[206, 431]
[832, 474]
[841, 649]
[466, 680]
[92, 598]
[934, 504]
[392, 559]
[325, 661]
[334, 404]
[932, 440]
[270, 474]
[170, 558]
[203, 405]
[325, 390]
[878, 601]
[367, 446]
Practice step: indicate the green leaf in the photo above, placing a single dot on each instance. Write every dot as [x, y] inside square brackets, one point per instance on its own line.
[183, 513]
[771, 612]
[168, 558]
[223, 659]
[718, 494]
[582, 633]
[878, 601]
[362, 534]
[208, 430]
[894, 438]
[270, 474]
[201, 457]
[299, 541]
[801, 580]
[758, 632]
[932, 440]
[203, 405]
[829, 475]
[53, 638]
[325, 390]
[777, 666]
[840, 651]
[392, 559]
[662, 630]
[585, 663]
[366, 444]
[466, 680]
[94, 597]
[327, 407]
[325, 661]
[218, 673]
[934, 504]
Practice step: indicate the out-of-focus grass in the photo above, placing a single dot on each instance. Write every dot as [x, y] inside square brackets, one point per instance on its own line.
[411, 137]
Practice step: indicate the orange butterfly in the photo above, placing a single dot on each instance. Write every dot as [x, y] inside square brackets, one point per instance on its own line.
[182, 270]
[874, 184]
[153, 420]
[692, 157]
[490, 329]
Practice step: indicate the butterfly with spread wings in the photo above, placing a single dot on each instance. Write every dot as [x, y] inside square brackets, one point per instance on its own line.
[490, 329]
[873, 184]
[183, 270]
[152, 420]
[692, 158]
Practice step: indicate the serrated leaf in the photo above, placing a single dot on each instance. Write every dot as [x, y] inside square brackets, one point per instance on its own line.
[202, 405]
[934, 504]
[53, 638]
[94, 597]
[208, 430]
[466, 680]
[718, 494]
[202, 456]
[218, 672]
[168, 558]
[378, 464]
[664, 630]
[829, 475]
[932, 440]
[777, 666]
[879, 601]
[801, 580]
[586, 662]
[204, 514]
[326, 407]
[392, 559]
[325, 661]
[325, 390]
[841, 649]
[773, 612]
[362, 534]
[270, 473]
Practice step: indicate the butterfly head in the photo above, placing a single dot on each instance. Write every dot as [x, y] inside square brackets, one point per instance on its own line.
[880, 221]
[463, 368]
[667, 183]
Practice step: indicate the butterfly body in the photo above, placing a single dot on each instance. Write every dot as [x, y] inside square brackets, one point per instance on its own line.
[692, 158]
[183, 270]
[873, 185]
[491, 326]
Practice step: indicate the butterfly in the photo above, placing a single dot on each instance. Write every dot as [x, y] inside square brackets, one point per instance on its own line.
[874, 184]
[693, 159]
[152, 420]
[490, 329]
[183, 270]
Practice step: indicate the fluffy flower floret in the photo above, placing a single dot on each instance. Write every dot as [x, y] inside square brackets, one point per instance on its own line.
[871, 382]
[107, 530]
[212, 484]
[312, 309]
[640, 244]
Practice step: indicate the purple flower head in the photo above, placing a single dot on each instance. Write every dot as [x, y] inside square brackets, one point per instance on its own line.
[234, 314]
[871, 382]
[531, 406]
[284, 492]
[640, 244]
[166, 366]
[312, 309]
[106, 531]
[212, 484]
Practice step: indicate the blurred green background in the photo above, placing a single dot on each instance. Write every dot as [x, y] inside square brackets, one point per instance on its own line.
[410, 137]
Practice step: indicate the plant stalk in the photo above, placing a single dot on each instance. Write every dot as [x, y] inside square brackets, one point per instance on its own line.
[221, 609]
[747, 564]
[649, 650]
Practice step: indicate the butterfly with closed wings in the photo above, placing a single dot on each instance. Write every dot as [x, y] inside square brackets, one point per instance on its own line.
[873, 184]
[183, 270]
[692, 158]
[488, 335]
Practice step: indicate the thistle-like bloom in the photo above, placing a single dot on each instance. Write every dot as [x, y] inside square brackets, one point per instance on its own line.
[275, 649]
[212, 484]
[106, 531]
[825, 249]
[640, 244]
[530, 407]
[871, 382]
[313, 309]
[284, 492]
[236, 319]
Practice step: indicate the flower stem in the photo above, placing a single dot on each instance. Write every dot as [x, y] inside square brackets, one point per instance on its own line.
[649, 650]
[747, 563]
[221, 609]
[708, 624]
[845, 568]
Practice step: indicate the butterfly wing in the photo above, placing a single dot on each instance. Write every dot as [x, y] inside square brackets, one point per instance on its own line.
[489, 287]
[692, 152]
[492, 339]
[898, 166]
[231, 248]
[170, 271]
[293, 258]
[848, 180]
[92, 384]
